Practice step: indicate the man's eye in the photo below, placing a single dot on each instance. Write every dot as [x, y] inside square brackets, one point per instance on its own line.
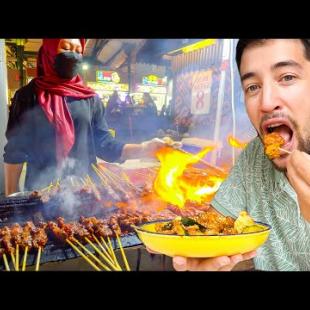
[288, 77]
[251, 88]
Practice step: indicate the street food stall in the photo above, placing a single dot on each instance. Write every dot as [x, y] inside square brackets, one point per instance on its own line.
[95, 223]
[155, 86]
[104, 221]
[106, 83]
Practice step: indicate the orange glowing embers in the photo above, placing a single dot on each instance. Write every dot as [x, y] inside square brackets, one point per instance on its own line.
[234, 142]
[177, 182]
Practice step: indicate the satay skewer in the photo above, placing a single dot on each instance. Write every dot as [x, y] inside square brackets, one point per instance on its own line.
[112, 252]
[83, 255]
[25, 259]
[38, 258]
[104, 251]
[13, 260]
[92, 255]
[7, 267]
[101, 254]
[119, 180]
[123, 253]
[17, 258]
[93, 186]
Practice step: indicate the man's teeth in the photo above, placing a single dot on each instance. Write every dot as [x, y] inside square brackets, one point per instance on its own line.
[275, 125]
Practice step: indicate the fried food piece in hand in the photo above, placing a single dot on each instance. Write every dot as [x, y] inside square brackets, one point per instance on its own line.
[273, 141]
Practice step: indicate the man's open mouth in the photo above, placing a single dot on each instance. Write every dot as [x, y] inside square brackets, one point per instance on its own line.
[281, 126]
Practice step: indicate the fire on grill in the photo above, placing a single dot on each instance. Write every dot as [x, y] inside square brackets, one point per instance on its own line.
[87, 213]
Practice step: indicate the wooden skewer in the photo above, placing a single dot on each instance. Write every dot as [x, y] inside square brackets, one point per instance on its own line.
[103, 175]
[83, 255]
[17, 258]
[25, 259]
[113, 254]
[104, 250]
[119, 180]
[50, 187]
[83, 182]
[285, 151]
[93, 186]
[101, 254]
[47, 188]
[107, 247]
[92, 255]
[103, 180]
[123, 253]
[13, 260]
[38, 259]
[7, 267]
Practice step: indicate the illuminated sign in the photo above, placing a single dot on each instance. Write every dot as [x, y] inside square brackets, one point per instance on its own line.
[150, 89]
[154, 80]
[108, 86]
[194, 46]
[107, 76]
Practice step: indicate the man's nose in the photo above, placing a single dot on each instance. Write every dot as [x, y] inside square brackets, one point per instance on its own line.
[270, 99]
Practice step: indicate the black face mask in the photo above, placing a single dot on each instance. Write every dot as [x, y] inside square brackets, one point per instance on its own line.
[67, 64]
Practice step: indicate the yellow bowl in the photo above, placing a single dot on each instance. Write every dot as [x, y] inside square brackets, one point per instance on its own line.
[201, 245]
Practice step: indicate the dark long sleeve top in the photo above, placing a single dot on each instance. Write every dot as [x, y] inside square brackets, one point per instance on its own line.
[31, 138]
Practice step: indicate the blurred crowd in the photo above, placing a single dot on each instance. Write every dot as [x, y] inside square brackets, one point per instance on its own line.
[136, 121]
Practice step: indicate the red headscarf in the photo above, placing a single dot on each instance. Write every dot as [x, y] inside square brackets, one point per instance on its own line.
[51, 89]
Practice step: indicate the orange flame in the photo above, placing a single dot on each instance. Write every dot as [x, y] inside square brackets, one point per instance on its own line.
[234, 142]
[173, 184]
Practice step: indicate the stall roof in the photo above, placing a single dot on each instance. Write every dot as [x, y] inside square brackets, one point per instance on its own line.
[115, 53]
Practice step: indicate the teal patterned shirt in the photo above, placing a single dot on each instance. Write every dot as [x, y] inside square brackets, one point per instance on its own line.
[256, 186]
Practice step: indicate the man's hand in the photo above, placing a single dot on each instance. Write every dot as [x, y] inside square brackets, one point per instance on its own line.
[221, 263]
[298, 173]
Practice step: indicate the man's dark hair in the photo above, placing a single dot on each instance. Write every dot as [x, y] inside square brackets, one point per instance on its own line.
[243, 43]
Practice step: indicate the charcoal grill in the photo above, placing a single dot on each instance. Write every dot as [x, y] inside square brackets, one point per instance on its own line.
[22, 209]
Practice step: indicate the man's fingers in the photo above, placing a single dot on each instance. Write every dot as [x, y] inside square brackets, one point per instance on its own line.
[222, 263]
[249, 255]
[198, 264]
[235, 259]
[180, 263]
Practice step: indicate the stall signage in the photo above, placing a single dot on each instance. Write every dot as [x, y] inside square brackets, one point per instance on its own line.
[109, 86]
[107, 76]
[150, 89]
[201, 93]
[154, 80]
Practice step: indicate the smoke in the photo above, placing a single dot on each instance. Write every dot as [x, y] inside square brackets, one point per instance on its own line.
[67, 199]
[66, 176]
